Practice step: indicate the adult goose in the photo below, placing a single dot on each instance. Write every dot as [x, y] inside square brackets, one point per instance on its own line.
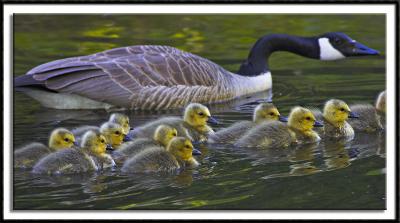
[148, 77]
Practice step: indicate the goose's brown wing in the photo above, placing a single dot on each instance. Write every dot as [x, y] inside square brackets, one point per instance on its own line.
[140, 77]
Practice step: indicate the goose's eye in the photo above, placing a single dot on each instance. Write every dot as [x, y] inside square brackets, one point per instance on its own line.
[342, 109]
[201, 113]
[271, 114]
[66, 139]
[308, 118]
[117, 133]
[174, 134]
[102, 141]
[187, 147]
[337, 41]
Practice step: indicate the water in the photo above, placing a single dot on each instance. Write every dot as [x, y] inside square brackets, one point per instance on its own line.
[326, 176]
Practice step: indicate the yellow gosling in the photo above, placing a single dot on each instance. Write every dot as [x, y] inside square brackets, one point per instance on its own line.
[298, 130]
[28, 155]
[177, 156]
[89, 157]
[262, 113]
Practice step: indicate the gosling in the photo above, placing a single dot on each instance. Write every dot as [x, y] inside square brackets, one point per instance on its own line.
[177, 156]
[193, 125]
[90, 157]
[371, 118]
[28, 155]
[262, 113]
[274, 134]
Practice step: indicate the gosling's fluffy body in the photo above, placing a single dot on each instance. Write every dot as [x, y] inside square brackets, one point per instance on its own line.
[369, 120]
[263, 112]
[28, 155]
[75, 160]
[279, 135]
[192, 126]
[157, 159]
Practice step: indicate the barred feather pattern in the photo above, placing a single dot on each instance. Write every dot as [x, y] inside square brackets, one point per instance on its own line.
[146, 77]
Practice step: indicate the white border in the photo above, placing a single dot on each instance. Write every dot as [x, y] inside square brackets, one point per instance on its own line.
[389, 10]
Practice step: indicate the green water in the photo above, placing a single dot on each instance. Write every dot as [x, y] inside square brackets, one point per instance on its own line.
[326, 176]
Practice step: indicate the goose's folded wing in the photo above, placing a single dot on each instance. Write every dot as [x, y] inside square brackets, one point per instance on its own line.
[121, 75]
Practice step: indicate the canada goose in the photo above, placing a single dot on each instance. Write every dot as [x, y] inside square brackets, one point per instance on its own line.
[28, 155]
[113, 133]
[262, 112]
[76, 160]
[193, 126]
[178, 155]
[298, 130]
[146, 77]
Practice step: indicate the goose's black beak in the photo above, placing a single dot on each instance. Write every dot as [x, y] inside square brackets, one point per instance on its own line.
[196, 152]
[362, 50]
[127, 138]
[353, 115]
[109, 147]
[283, 118]
[76, 143]
[318, 124]
[212, 120]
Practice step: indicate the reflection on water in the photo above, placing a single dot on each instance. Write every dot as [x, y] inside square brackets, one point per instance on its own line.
[327, 175]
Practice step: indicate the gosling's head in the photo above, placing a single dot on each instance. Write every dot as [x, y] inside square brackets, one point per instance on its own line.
[337, 112]
[113, 132]
[267, 112]
[181, 148]
[198, 115]
[94, 142]
[61, 138]
[122, 120]
[164, 133]
[381, 102]
[302, 119]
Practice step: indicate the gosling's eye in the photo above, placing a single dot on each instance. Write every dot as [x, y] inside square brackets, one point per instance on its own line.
[174, 134]
[102, 141]
[201, 113]
[271, 114]
[117, 132]
[342, 109]
[308, 118]
[66, 139]
[187, 147]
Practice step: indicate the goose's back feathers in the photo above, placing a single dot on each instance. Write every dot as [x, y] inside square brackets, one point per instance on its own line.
[154, 159]
[368, 120]
[267, 135]
[137, 77]
[231, 133]
[66, 161]
[28, 155]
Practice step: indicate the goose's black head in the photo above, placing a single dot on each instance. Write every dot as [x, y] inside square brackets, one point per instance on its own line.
[336, 45]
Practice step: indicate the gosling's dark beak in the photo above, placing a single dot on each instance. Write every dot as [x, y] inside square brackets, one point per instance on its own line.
[353, 115]
[127, 138]
[318, 124]
[362, 50]
[131, 128]
[212, 120]
[283, 118]
[196, 152]
[109, 147]
[76, 143]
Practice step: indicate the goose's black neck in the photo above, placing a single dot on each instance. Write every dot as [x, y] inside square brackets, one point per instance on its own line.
[257, 61]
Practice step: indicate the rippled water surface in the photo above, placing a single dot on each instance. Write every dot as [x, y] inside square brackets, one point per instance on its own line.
[331, 175]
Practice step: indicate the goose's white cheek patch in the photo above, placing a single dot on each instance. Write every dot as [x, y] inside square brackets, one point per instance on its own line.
[327, 51]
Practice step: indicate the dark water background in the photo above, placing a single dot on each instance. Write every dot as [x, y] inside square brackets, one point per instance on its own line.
[327, 176]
